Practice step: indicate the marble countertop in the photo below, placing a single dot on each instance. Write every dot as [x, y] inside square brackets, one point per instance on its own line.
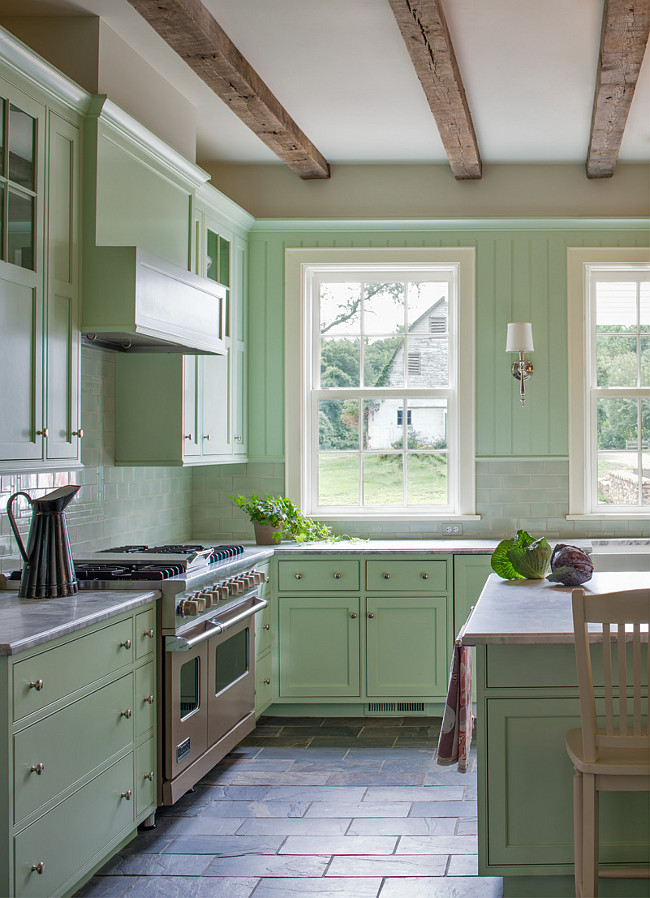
[26, 623]
[395, 546]
[535, 611]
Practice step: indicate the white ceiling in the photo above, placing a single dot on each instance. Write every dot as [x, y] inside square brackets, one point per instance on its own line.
[341, 69]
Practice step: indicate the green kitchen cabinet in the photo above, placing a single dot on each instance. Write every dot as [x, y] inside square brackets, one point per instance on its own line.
[39, 280]
[265, 633]
[470, 574]
[406, 646]
[319, 647]
[78, 741]
[192, 409]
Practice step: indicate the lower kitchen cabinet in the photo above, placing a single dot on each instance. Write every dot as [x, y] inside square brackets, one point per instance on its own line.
[78, 738]
[470, 574]
[265, 631]
[404, 638]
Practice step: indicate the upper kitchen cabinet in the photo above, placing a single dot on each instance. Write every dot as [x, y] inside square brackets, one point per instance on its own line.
[40, 187]
[192, 410]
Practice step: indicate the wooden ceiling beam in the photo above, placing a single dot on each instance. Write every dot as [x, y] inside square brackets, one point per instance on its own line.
[623, 42]
[424, 29]
[191, 30]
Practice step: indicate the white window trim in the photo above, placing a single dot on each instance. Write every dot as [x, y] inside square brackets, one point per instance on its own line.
[579, 261]
[297, 336]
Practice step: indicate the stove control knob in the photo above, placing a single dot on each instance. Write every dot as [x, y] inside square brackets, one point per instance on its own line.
[199, 601]
[208, 597]
[234, 587]
[190, 607]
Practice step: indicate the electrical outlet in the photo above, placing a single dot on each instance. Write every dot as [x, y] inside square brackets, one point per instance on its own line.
[454, 529]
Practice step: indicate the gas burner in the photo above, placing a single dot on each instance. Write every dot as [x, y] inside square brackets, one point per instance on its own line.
[127, 549]
[181, 549]
[101, 571]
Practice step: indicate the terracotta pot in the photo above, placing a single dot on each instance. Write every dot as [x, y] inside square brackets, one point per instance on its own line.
[264, 534]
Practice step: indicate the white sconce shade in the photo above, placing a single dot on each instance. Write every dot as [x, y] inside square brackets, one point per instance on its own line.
[520, 337]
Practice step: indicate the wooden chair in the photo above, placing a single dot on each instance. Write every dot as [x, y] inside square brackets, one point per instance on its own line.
[616, 758]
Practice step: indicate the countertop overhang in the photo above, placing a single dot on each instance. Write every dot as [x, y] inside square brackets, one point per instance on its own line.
[536, 611]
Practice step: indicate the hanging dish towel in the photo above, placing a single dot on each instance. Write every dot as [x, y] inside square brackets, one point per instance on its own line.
[456, 732]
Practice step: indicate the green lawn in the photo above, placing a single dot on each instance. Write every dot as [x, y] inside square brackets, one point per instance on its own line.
[383, 479]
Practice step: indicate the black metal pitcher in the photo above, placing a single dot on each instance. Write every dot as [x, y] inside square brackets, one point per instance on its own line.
[48, 572]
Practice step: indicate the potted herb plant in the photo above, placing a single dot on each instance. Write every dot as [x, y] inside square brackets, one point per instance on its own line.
[275, 517]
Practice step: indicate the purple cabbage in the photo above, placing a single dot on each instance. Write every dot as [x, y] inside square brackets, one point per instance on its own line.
[570, 565]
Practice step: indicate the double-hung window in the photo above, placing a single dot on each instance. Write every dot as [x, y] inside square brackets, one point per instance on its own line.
[380, 410]
[609, 382]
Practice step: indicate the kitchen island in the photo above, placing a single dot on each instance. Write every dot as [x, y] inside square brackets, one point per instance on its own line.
[527, 699]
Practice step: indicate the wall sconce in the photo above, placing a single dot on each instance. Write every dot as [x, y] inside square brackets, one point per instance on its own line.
[520, 339]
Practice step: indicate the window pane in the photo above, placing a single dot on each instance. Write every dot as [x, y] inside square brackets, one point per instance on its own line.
[190, 695]
[383, 362]
[645, 361]
[383, 479]
[432, 366]
[2, 136]
[427, 424]
[645, 306]
[616, 361]
[618, 478]
[20, 230]
[424, 302]
[212, 256]
[22, 134]
[426, 479]
[340, 362]
[338, 424]
[380, 427]
[224, 262]
[230, 661]
[645, 426]
[340, 308]
[338, 479]
[383, 307]
[617, 423]
[616, 307]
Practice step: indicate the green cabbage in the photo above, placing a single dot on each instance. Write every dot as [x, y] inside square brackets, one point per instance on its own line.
[522, 558]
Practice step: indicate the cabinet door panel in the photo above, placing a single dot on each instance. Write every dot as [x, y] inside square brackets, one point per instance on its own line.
[21, 359]
[145, 699]
[470, 574]
[66, 838]
[263, 684]
[101, 717]
[528, 769]
[145, 777]
[319, 646]
[216, 435]
[191, 407]
[406, 646]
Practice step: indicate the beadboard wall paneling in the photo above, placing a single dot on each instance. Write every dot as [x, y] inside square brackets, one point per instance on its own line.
[521, 276]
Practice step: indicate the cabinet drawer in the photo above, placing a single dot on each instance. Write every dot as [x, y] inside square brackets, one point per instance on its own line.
[70, 667]
[407, 576]
[70, 743]
[145, 633]
[68, 837]
[145, 698]
[323, 576]
[145, 777]
[263, 683]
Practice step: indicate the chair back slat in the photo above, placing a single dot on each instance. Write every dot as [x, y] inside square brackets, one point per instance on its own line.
[623, 617]
[636, 673]
[622, 680]
[608, 679]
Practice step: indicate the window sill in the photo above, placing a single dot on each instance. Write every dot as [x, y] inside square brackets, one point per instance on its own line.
[391, 516]
[612, 516]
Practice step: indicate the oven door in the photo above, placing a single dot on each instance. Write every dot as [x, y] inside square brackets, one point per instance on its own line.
[231, 678]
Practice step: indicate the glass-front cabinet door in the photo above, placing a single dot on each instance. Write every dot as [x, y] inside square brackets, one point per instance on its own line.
[22, 130]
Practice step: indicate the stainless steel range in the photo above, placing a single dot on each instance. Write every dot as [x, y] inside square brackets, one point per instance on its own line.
[206, 657]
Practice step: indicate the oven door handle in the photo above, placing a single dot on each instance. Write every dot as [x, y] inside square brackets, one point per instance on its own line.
[180, 644]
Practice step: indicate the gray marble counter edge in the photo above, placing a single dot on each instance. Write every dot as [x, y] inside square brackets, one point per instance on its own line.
[407, 546]
[128, 601]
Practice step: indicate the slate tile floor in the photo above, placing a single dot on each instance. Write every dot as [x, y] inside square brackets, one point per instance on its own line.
[350, 807]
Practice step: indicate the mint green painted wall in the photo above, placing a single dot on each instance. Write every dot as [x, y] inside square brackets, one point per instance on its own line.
[521, 276]
[115, 505]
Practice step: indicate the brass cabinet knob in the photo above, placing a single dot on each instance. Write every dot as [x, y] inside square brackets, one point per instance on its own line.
[126, 795]
[38, 868]
[149, 776]
[150, 699]
[126, 644]
[298, 576]
[78, 433]
[337, 576]
[206, 436]
[150, 633]
[386, 576]
[371, 614]
[424, 575]
[38, 769]
[126, 713]
[353, 614]
[268, 681]
[238, 438]
[266, 626]
[37, 685]
[42, 433]
[187, 436]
